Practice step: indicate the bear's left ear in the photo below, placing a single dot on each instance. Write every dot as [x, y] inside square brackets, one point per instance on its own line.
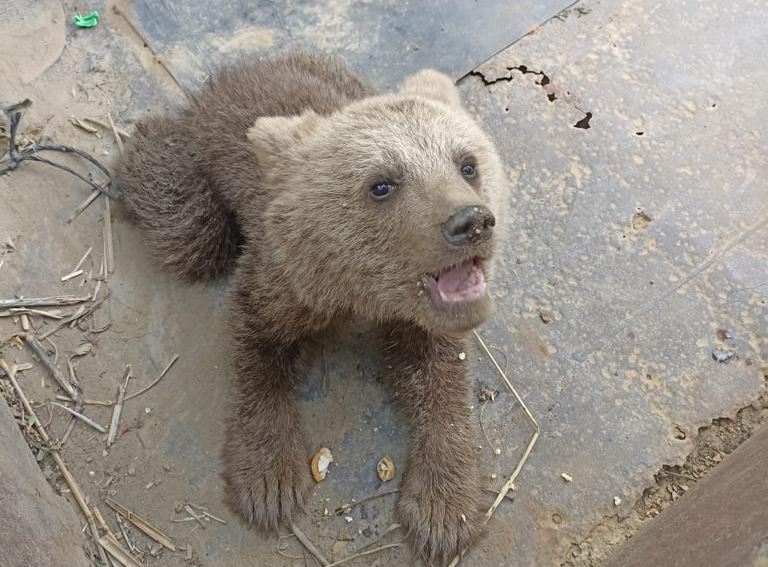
[432, 85]
[271, 134]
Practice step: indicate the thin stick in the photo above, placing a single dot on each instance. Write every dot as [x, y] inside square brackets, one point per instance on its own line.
[87, 402]
[42, 354]
[115, 133]
[510, 484]
[85, 419]
[306, 542]
[24, 322]
[103, 523]
[117, 551]
[43, 301]
[108, 247]
[83, 259]
[97, 539]
[87, 312]
[71, 275]
[83, 126]
[212, 517]
[142, 524]
[84, 205]
[106, 126]
[346, 508]
[364, 553]
[191, 512]
[118, 408]
[72, 375]
[163, 373]
[20, 310]
[71, 424]
[124, 531]
[76, 315]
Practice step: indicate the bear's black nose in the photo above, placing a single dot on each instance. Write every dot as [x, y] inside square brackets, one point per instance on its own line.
[469, 225]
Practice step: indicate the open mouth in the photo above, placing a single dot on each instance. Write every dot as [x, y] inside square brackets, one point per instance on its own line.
[457, 284]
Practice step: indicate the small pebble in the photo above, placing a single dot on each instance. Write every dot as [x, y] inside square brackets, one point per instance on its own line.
[147, 410]
[494, 476]
[462, 355]
[566, 477]
[91, 473]
[497, 451]
[348, 519]
[616, 501]
[722, 356]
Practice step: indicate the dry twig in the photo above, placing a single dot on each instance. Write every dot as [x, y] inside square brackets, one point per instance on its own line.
[306, 542]
[118, 407]
[142, 524]
[115, 133]
[163, 373]
[42, 355]
[106, 126]
[83, 126]
[43, 301]
[116, 550]
[364, 553]
[80, 416]
[346, 508]
[84, 205]
[108, 246]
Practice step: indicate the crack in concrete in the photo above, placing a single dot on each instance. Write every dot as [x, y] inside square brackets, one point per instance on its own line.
[545, 82]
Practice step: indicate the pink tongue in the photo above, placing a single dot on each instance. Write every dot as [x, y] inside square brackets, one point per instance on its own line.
[456, 278]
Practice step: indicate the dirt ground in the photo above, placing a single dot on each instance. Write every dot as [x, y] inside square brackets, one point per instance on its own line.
[166, 453]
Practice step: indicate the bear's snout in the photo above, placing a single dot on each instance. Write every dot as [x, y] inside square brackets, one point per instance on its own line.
[469, 225]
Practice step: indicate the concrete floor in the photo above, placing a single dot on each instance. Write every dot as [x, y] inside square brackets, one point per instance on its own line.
[639, 243]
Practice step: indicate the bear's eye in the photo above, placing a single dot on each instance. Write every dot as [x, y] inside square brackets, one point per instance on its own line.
[382, 190]
[468, 170]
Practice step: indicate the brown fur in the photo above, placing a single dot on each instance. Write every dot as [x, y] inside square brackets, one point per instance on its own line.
[276, 158]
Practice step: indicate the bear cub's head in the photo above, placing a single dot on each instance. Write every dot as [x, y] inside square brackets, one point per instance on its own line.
[387, 208]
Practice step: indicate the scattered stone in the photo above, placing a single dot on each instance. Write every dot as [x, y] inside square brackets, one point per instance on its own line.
[722, 355]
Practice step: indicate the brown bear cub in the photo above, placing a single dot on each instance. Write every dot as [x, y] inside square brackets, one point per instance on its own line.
[331, 202]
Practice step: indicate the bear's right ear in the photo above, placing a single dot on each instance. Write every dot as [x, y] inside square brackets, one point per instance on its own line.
[432, 85]
[271, 133]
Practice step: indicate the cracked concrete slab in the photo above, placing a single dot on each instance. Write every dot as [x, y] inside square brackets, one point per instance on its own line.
[640, 238]
[383, 41]
[638, 241]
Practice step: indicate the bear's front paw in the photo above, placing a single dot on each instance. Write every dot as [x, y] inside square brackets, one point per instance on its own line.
[267, 494]
[441, 521]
